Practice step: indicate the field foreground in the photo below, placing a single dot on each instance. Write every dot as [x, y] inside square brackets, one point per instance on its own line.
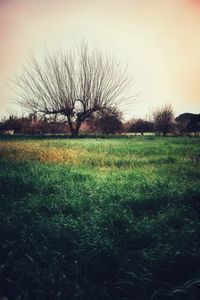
[95, 219]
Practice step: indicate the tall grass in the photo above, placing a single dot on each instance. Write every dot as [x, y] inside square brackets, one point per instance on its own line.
[100, 219]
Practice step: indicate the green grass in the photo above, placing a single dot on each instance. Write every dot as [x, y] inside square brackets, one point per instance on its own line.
[120, 222]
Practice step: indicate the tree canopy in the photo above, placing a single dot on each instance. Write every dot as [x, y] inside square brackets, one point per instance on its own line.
[73, 85]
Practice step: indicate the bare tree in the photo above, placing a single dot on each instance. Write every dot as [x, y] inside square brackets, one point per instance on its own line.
[73, 85]
[163, 119]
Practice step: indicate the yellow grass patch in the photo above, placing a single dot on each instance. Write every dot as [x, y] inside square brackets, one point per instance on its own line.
[35, 151]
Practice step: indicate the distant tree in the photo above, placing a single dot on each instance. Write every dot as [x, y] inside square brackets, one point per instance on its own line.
[141, 126]
[73, 86]
[32, 124]
[91, 124]
[163, 119]
[2, 128]
[12, 123]
[194, 123]
[127, 125]
[184, 118]
[188, 122]
[109, 123]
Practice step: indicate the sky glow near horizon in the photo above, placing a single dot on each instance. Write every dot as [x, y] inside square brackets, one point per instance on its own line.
[158, 39]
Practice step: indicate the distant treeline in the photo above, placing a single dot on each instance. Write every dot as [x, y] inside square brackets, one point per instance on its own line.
[160, 123]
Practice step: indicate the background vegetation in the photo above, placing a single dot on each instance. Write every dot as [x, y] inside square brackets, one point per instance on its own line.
[100, 218]
[162, 123]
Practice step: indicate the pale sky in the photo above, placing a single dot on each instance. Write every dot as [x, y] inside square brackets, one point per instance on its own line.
[159, 39]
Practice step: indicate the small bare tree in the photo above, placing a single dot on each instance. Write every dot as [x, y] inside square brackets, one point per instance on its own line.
[163, 119]
[73, 85]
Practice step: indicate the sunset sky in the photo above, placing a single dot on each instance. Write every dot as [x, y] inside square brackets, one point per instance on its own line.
[159, 39]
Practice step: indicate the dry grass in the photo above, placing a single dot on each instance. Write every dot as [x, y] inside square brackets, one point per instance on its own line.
[37, 152]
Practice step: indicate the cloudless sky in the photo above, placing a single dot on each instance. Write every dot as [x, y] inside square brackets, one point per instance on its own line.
[159, 39]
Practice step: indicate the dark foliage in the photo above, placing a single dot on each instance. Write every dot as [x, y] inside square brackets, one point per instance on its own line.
[188, 122]
[109, 124]
[141, 126]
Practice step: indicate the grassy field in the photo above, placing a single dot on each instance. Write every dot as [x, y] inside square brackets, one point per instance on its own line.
[95, 219]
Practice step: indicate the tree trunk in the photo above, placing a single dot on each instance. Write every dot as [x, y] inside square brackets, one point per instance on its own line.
[74, 131]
